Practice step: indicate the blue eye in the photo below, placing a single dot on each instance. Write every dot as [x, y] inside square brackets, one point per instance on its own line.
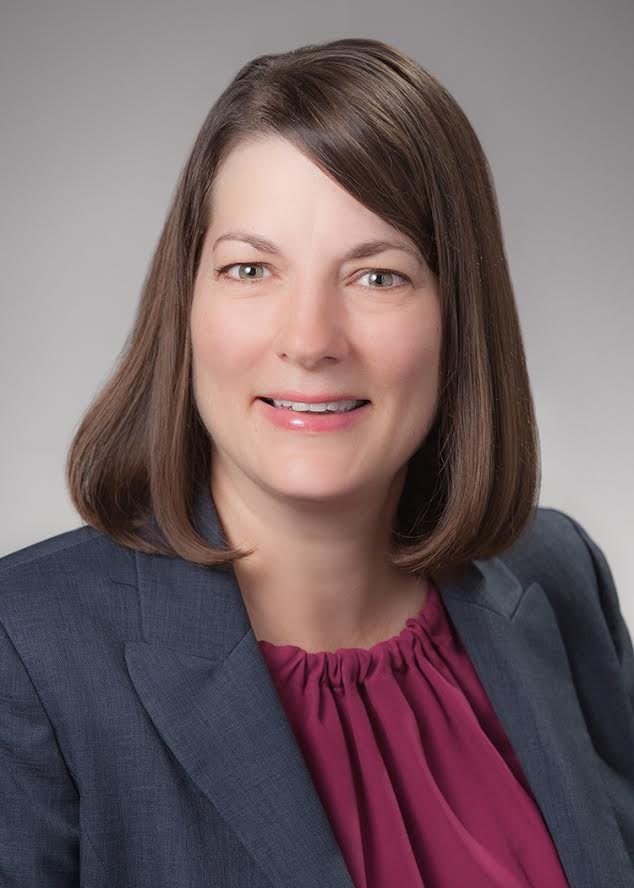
[382, 273]
[377, 274]
[251, 265]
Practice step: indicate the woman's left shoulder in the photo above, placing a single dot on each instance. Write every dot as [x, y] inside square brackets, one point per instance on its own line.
[558, 550]
[559, 554]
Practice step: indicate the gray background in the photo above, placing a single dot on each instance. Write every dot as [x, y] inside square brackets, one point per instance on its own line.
[100, 106]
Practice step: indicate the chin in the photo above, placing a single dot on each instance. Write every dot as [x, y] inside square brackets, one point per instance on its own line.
[307, 490]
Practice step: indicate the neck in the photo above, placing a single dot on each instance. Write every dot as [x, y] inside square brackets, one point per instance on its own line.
[319, 577]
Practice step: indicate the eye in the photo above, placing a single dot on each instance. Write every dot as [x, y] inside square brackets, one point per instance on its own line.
[377, 274]
[250, 266]
[381, 274]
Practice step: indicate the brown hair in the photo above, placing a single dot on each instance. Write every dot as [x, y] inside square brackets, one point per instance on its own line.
[387, 131]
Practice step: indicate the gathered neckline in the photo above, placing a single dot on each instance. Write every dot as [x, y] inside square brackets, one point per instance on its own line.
[427, 615]
[344, 650]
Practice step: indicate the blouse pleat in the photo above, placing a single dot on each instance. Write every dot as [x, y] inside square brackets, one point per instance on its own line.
[413, 767]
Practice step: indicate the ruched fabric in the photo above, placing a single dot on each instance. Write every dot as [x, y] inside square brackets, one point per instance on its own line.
[414, 770]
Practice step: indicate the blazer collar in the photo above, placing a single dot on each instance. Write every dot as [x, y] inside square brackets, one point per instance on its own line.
[203, 681]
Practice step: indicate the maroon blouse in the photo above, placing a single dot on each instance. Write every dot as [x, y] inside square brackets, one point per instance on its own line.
[418, 779]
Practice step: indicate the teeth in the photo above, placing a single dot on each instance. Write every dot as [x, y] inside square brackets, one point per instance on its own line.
[332, 406]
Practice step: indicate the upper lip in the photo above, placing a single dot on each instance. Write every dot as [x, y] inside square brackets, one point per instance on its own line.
[303, 398]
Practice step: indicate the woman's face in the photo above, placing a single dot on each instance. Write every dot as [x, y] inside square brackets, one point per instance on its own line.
[297, 316]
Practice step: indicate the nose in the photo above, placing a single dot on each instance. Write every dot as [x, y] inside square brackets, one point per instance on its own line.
[313, 325]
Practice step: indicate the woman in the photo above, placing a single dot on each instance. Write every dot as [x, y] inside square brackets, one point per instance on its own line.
[315, 629]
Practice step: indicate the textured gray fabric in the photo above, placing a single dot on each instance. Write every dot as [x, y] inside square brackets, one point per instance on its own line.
[142, 742]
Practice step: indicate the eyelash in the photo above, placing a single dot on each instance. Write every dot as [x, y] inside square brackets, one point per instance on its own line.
[223, 269]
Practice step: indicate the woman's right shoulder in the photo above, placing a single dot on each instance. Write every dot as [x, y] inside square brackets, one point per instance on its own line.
[66, 547]
[49, 547]
[62, 597]
[82, 556]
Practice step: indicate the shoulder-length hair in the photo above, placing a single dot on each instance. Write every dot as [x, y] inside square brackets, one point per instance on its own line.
[385, 129]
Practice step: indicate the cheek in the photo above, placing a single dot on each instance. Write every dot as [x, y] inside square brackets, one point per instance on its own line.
[418, 385]
[219, 345]
[408, 364]
[217, 352]
[407, 355]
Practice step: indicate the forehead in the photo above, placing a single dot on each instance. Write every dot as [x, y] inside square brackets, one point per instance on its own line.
[269, 183]
[268, 159]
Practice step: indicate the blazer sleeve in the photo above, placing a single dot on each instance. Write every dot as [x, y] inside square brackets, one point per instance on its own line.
[617, 771]
[609, 600]
[39, 802]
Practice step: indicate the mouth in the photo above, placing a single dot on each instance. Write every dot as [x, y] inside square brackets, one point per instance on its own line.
[360, 403]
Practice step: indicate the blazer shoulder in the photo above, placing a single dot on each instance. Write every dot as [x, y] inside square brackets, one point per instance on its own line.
[553, 544]
[78, 548]
[558, 553]
[61, 542]
[60, 571]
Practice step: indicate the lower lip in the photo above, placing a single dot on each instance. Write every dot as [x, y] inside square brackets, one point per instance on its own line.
[285, 418]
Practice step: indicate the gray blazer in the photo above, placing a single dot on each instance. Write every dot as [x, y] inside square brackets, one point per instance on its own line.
[143, 744]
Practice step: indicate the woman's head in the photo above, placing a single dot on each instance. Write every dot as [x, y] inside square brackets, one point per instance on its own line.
[303, 317]
[319, 149]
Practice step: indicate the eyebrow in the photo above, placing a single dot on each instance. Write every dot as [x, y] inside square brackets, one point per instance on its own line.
[360, 251]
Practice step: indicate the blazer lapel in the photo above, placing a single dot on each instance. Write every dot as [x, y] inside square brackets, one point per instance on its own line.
[203, 681]
[511, 636]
